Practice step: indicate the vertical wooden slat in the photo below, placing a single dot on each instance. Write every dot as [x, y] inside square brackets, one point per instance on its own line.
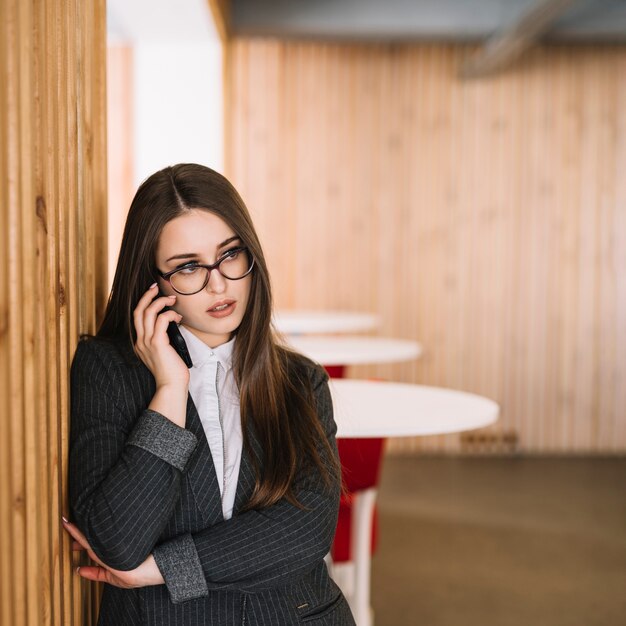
[484, 218]
[618, 391]
[18, 190]
[6, 500]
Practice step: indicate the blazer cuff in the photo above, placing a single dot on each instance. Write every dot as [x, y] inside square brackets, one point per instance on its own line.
[158, 435]
[180, 566]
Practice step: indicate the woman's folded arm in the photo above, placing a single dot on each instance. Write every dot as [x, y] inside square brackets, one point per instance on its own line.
[259, 548]
[125, 471]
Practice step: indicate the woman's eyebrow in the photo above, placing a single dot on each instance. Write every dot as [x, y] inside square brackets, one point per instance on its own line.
[194, 255]
[227, 241]
[187, 255]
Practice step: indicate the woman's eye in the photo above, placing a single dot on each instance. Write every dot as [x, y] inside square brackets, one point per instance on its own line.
[190, 269]
[231, 255]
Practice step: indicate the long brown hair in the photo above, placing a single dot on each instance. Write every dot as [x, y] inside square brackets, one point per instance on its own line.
[276, 399]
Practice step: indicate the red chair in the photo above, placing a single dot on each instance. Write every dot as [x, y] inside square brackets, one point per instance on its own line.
[360, 469]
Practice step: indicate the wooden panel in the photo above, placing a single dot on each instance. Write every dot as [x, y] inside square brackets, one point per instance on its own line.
[121, 184]
[52, 282]
[485, 219]
[220, 13]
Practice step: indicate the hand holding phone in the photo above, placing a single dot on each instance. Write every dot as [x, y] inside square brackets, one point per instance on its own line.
[163, 358]
[156, 326]
[178, 342]
[176, 339]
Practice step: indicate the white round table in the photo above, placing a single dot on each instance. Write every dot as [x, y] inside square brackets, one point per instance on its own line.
[337, 351]
[366, 408]
[303, 322]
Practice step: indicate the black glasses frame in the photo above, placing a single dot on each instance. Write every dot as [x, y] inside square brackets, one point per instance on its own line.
[216, 266]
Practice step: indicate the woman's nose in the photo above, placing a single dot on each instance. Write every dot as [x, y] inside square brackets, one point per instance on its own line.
[217, 283]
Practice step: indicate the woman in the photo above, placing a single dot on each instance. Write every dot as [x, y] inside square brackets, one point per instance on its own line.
[206, 495]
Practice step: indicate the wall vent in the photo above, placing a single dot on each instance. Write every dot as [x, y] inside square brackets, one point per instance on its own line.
[506, 442]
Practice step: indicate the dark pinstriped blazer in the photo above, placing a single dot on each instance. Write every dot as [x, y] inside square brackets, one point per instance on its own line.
[139, 484]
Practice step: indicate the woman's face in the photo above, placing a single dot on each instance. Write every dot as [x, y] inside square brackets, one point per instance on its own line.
[203, 237]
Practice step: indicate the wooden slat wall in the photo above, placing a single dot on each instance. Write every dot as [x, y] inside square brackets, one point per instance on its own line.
[485, 219]
[121, 183]
[52, 286]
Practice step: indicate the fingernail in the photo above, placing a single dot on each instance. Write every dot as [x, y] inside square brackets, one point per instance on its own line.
[78, 570]
[65, 519]
[171, 296]
[152, 286]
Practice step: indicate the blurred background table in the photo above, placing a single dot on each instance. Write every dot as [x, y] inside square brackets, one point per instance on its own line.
[338, 351]
[366, 408]
[300, 322]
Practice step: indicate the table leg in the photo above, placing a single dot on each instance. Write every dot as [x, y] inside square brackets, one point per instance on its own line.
[361, 541]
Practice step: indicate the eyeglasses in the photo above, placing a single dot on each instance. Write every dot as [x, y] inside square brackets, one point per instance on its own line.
[193, 277]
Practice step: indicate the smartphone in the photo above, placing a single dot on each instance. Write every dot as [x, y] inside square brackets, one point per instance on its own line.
[177, 341]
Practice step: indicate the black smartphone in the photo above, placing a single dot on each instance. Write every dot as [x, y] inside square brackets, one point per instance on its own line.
[177, 340]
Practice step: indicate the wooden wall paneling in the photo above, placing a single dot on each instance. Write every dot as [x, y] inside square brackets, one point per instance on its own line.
[91, 227]
[436, 210]
[618, 392]
[22, 555]
[500, 200]
[496, 215]
[49, 86]
[37, 447]
[618, 264]
[52, 184]
[309, 88]
[587, 293]
[569, 125]
[422, 266]
[6, 500]
[310, 99]
[286, 123]
[607, 322]
[271, 145]
[541, 205]
[533, 255]
[220, 13]
[68, 283]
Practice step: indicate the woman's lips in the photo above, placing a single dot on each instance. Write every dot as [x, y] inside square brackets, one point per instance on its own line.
[228, 307]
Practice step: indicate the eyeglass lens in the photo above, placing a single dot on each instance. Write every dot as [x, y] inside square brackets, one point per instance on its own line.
[189, 280]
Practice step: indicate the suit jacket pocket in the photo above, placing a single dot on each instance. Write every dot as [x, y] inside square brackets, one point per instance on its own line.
[335, 612]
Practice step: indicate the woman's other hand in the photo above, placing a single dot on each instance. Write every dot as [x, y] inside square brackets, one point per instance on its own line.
[143, 576]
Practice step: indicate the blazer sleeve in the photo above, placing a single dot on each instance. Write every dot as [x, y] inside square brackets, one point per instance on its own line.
[125, 468]
[264, 548]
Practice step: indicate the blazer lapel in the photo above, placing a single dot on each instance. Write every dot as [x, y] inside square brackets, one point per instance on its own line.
[201, 471]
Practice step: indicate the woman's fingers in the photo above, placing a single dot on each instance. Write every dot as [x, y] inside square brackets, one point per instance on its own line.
[162, 322]
[151, 315]
[100, 572]
[144, 301]
[92, 572]
[153, 344]
[73, 530]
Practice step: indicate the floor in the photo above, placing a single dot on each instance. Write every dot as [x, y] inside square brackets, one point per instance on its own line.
[502, 542]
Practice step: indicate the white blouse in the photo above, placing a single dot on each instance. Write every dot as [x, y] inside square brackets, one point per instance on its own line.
[216, 396]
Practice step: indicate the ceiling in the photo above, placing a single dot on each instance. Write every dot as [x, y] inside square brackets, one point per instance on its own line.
[440, 20]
